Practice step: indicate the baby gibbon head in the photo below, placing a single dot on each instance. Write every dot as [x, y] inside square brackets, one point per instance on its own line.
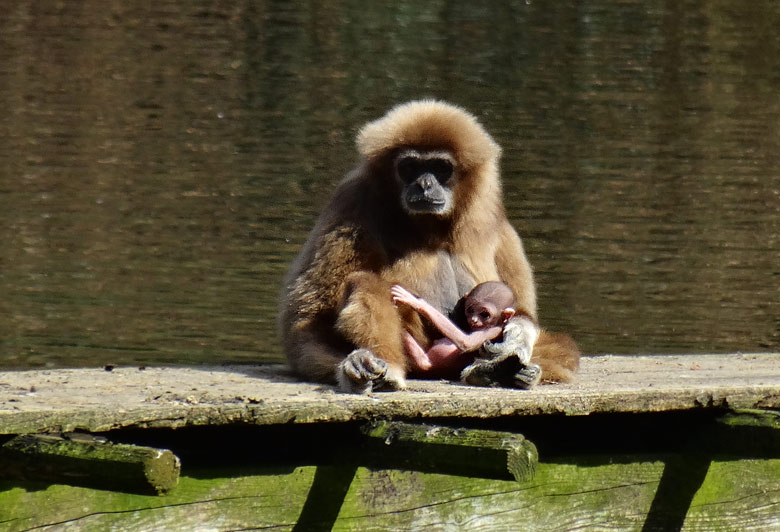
[489, 304]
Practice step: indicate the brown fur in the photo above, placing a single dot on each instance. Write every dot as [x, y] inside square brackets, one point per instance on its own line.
[337, 296]
[553, 352]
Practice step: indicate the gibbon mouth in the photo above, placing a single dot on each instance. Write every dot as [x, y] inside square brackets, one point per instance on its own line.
[426, 200]
[423, 204]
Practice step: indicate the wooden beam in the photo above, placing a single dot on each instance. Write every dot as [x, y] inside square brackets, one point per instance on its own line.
[84, 460]
[471, 452]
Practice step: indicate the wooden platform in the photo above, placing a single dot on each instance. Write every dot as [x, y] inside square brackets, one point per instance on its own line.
[637, 443]
[97, 400]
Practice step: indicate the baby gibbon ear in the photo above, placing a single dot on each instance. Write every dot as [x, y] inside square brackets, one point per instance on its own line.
[507, 313]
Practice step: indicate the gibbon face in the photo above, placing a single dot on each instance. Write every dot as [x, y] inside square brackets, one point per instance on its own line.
[482, 316]
[427, 179]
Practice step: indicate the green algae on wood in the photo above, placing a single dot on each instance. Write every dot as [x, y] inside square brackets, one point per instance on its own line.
[91, 462]
[475, 452]
[614, 493]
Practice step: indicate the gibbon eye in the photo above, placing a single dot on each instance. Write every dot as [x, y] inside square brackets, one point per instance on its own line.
[484, 315]
[408, 169]
[441, 169]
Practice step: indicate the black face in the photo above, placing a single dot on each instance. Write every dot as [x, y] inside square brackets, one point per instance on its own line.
[426, 178]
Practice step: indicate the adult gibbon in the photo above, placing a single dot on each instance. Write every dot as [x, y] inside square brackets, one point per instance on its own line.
[422, 209]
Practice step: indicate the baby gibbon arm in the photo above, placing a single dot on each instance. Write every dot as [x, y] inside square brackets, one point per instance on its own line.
[475, 339]
[463, 341]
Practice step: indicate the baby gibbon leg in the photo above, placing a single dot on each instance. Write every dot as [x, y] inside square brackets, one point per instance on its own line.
[369, 321]
[558, 356]
[418, 357]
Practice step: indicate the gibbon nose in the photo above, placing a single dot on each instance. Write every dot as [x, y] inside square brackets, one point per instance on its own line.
[427, 181]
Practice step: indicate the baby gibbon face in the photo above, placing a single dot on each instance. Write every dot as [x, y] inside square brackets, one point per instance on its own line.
[426, 179]
[482, 316]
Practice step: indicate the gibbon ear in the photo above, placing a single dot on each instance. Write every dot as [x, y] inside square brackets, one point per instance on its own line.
[507, 314]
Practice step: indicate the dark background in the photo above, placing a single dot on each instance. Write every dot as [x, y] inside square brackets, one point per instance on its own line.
[161, 163]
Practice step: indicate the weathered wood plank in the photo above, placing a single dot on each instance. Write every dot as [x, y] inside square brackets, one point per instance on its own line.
[91, 462]
[95, 400]
[485, 452]
[598, 495]
[692, 470]
[207, 500]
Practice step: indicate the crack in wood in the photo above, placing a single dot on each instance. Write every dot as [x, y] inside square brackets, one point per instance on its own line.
[600, 490]
[761, 494]
[130, 510]
[436, 504]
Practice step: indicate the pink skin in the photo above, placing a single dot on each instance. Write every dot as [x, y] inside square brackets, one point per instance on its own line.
[484, 322]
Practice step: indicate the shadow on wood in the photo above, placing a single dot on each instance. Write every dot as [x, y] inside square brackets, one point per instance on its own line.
[681, 479]
[326, 495]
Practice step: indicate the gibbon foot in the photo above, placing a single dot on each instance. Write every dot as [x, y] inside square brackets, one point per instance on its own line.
[507, 371]
[518, 340]
[528, 376]
[363, 372]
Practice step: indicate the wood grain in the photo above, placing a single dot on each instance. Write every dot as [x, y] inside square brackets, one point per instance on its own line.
[97, 400]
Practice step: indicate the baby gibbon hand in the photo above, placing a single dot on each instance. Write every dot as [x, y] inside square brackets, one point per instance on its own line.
[403, 296]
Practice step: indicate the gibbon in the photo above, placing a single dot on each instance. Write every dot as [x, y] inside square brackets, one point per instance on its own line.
[423, 210]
